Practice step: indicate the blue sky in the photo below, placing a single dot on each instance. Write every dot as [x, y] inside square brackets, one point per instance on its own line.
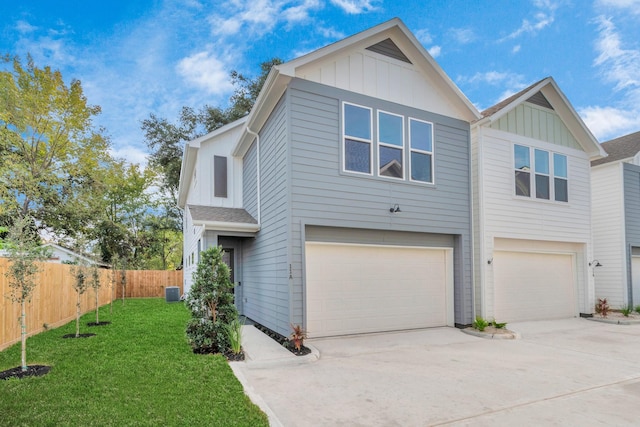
[151, 56]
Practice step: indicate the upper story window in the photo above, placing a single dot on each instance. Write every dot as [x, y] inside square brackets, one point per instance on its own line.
[357, 139]
[421, 137]
[219, 176]
[546, 168]
[388, 146]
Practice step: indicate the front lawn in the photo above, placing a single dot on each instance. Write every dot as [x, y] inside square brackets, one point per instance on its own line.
[139, 370]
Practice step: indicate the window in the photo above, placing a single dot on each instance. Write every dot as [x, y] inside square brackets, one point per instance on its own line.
[421, 142]
[219, 176]
[544, 174]
[357, 139]
[390, 145]
[523, 167]
[560, 182]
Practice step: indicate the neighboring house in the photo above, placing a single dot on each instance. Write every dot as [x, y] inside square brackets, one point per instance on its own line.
[616, 221]
[532, 204]
[343, 198]
[62, 255]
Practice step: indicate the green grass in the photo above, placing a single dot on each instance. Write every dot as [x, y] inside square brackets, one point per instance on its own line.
[139, 370]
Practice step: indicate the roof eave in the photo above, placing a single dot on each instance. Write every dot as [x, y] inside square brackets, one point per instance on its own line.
[229, 226]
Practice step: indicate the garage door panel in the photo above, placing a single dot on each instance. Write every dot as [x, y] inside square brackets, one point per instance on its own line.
[533, 286]
[363, 288]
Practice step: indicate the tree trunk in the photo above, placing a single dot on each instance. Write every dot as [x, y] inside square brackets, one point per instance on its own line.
[78, 316]
[23, 335]
[97, 306]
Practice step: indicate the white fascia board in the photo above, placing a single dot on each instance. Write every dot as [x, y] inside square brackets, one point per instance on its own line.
[228, 226]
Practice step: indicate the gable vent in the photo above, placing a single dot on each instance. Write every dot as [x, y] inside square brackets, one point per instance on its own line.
[388, 48]
[540, 100]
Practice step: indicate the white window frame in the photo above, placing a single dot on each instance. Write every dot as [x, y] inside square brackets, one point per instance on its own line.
[383, 144]
[416, 150]
[532, 174]
[354, 138]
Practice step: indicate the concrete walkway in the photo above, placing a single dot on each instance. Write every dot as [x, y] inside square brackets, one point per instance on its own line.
[564, 372]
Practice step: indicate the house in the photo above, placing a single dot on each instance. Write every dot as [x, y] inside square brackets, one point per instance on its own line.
[343, 199]
[616, 221]
[62, 255]
[532, 203]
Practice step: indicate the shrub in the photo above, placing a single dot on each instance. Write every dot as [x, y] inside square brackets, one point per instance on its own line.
[602, 307]
[626, 311]
[210, 301]
[637, 309]
[297, 336]
[498, 325]
[234, 335]
[480, 324]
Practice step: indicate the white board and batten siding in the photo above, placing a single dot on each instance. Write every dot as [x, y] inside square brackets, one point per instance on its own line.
[609, 233]
[382, 77]
[507, 216]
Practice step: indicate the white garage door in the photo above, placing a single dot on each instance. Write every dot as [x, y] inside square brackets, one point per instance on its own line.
[354, 289]
[533, 286]
[635, 279]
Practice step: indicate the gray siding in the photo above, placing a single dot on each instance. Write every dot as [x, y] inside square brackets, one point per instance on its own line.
[632, 214]
[324, 196]
[265, 258]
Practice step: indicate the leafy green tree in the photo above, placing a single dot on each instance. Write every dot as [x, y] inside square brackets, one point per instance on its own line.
[25, 256]
[51, 154]
[95, 284]
[210, 301]
[80, 285]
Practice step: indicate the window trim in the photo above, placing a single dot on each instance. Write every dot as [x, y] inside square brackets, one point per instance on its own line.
[389, 145]
[432, 153]
[533, 190]
[358, 139]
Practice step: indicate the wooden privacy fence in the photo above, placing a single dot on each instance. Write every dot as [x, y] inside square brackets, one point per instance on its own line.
[53, 301]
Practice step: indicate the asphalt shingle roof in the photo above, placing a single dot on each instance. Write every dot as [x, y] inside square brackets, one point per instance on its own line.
[216, 214]
[502, 104]
[620, 148]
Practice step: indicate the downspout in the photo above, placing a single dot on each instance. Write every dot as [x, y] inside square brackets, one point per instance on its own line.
[250, 132]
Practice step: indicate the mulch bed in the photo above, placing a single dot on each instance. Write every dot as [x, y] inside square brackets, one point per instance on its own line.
[283, 341]
[18, 373]
[98, 323]
[79, 336]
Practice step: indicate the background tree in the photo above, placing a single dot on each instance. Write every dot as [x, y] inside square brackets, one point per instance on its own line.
[166, 140]
[210, 300]
[51, 153]
[25, 255]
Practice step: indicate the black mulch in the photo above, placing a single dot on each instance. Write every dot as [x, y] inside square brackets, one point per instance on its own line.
[283, 341]
[79, 336]
[231, 356]
[98, 323]
[18, 373]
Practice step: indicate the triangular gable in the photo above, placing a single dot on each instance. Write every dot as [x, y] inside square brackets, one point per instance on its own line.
[385, 62]
[543, 101]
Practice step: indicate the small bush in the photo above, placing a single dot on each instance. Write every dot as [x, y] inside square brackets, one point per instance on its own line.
[498, 325]
[234, 335]
[602, 307]
[480, 323]
[637, 309]
[626, 311]
[297, 336]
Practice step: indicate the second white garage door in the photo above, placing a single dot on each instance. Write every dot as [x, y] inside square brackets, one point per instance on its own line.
[354, 289]
[533, 286]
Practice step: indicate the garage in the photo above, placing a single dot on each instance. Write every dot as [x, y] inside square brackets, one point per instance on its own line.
[534, 285]
[635, 278]
[359, 288]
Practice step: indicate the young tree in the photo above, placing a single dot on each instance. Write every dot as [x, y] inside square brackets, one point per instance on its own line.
[210, 300]
[24, 257]
[80, 285]
[95, 283]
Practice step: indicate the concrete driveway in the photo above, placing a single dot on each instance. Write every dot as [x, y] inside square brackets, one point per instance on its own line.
[564, 372]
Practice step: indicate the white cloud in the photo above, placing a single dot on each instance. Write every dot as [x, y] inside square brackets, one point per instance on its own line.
[424, 36]
[463, 35]
[542, 18]
[131, 154]
[631, 6]
[354, 7]
[511, 83]
[609, 122]
[434, 51]
[24, 27]
[206, 72]
[516, 49]
[620, 67]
